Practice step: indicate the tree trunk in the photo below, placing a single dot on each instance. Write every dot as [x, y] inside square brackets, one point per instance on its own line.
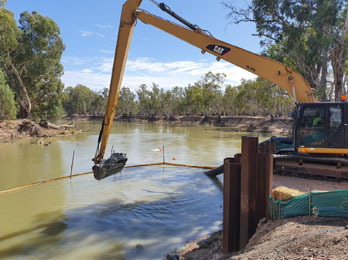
[26, 107]
[338, 59]
[46, 124]
[337, 66]
[323, 80]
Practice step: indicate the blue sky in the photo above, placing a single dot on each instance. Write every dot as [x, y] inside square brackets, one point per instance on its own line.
[89, 31]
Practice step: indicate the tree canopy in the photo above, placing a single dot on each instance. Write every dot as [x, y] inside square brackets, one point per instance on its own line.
[7, 104]
[30, 57]
[81, 100]
[207, 96]
[310, 36]
[31, 50]
[3, 3]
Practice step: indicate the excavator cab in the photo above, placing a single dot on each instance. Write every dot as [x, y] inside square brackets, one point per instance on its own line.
[321, 128]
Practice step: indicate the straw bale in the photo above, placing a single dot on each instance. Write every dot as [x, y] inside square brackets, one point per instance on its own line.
[284, 193]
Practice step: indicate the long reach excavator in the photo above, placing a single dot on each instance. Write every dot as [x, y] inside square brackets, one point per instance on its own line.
[319, 143]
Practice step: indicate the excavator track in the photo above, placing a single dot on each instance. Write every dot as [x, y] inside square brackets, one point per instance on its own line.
[332, 169]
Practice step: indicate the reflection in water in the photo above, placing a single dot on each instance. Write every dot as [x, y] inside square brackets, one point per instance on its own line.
[52, 228]
[217, 182]
[36, 240]
[32, 218]
[127, 216]
[30, 210]
[25, 161]
[141, 213]
[22, 162]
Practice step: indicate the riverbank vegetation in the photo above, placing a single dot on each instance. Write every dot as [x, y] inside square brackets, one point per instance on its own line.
[208, 96]
[309, 38]
[30, 54]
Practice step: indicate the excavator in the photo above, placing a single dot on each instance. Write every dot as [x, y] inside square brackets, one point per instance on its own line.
[320, 129]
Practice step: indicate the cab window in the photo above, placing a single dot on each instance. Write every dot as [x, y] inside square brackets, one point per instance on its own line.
[336, 131]
[311, 132]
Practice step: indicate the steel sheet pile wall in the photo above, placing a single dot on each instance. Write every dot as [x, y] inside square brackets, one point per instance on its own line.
[247, 187]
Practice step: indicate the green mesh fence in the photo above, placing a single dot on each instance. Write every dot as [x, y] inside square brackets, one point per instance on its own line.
[322, 204]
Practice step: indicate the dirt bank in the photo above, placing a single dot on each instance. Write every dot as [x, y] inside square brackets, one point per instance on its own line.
[15, 129]
[275, 125]
[294, 238]
[280, 126]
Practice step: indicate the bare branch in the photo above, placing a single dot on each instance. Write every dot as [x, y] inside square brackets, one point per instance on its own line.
[238, 15]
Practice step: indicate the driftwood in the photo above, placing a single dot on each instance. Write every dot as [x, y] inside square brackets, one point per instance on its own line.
[30, 127]
[48, 125]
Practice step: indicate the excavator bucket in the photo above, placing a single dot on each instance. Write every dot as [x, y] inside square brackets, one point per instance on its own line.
[109, 167]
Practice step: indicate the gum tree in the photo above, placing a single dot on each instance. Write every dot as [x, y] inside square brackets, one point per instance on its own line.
[308, 35]
[31, 58]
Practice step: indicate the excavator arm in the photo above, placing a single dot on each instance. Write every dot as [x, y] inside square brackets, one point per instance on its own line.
[124, 37]
[278, 73]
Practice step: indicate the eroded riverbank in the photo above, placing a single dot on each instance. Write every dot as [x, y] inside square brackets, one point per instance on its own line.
[275, 125]
[280, 126]
[23, 128]
[260, 124]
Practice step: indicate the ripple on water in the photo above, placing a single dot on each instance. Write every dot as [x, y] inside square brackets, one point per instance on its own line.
[127, 216]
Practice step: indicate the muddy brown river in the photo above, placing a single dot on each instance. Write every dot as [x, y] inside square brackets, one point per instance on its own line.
[141, 213]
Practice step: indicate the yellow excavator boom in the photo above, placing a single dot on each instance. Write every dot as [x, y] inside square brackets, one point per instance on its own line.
[278, 73]
[124, 37]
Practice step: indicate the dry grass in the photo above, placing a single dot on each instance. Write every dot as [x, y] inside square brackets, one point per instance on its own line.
[283, 193]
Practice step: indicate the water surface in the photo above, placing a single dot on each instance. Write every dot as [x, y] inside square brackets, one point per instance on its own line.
[141, 213]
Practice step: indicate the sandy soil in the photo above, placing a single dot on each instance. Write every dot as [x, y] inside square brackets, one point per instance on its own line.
[293, 238]
[15, 129]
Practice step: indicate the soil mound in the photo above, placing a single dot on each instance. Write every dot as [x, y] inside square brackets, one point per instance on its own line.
[294, 238]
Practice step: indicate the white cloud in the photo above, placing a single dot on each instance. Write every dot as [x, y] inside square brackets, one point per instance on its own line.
[104, 51]
[87, 71]
[100, 35]
[104, 65]
[86, 33]
[96, 81]
[107, 26]
[89, 33]
[75, 61]
[146, 71]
